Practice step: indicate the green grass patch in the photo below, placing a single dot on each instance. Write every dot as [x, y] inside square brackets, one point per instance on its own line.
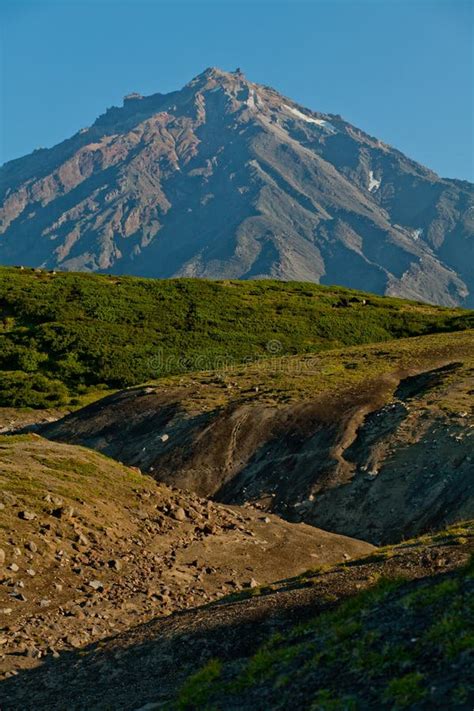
[65, 335]
[387, 647]
[195, 691]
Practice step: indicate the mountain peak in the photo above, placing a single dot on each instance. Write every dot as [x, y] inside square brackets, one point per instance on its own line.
[227, 178]
[217, 73]
[214, 76]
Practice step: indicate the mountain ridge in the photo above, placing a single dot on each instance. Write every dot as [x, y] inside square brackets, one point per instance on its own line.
[229, 179]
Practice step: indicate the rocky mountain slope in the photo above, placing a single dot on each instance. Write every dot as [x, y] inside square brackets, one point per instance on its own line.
[229, 179]
[389, 631]
[373, 441]
[89, 548]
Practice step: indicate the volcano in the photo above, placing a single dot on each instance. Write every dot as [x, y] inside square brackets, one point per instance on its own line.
[228, 179]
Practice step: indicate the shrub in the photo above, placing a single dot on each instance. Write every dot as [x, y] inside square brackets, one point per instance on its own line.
[84, 329]
[20, 389]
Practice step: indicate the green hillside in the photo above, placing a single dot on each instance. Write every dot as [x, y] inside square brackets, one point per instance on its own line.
[62, 335]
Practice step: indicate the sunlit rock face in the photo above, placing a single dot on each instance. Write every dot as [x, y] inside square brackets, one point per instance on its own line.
[228, 179]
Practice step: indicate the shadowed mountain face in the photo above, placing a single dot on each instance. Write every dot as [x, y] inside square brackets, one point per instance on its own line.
[229, 179]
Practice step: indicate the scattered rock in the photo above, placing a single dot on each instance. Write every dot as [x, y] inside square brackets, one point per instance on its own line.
[74, 641]
[32, 653]
[2, 556]
[82, 539]
[179, 514]
[63, 512]
[14, 567]
[96, 585]
[27, 515]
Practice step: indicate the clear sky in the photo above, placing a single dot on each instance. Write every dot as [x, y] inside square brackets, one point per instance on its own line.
[402, 70]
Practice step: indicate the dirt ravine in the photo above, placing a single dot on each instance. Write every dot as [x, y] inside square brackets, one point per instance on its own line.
[385, 460]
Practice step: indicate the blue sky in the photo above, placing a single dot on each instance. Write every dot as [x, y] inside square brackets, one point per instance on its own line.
[402, 70]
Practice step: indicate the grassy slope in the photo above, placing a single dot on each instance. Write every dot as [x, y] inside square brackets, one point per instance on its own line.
[30, 467]
[63, 334]
[398, 644]
[337, 372]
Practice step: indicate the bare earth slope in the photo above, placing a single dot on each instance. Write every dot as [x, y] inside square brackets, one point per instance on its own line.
[375, 442]
[229, 179]
[89, 547]
[316, 641]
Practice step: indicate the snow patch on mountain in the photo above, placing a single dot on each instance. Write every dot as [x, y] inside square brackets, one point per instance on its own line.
[319, 122]
[374, 183]
[251, 100]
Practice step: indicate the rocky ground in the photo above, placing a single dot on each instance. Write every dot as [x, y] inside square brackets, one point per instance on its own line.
[89, 548]
[116, 587]
[14, 418]
[145, 667]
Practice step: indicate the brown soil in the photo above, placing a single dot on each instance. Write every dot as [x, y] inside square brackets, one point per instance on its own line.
[144, 667]
[90, 548]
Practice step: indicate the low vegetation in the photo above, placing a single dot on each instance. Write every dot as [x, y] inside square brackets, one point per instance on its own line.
[63, 335]
[398, 644]
[336, 372]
